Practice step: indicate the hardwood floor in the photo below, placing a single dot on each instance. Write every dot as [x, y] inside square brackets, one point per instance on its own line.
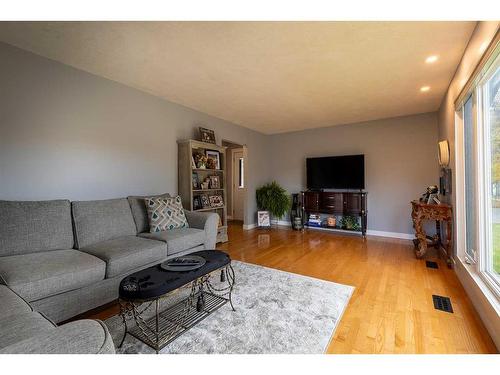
[391, 310]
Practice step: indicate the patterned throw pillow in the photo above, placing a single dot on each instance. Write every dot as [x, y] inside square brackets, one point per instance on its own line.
[165, 214]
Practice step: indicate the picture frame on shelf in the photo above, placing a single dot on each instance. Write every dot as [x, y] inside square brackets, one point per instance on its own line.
[207, 135]
[200, 160]
[193, 164]
[197, 205]
[215, 156]
[196, 182]
[205, 184]
[263, 219]
[205, 202]
[216, 201]
[215, 182]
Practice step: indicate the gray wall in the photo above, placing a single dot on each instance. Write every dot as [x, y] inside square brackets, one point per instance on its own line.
[400, 162]
[65, 133]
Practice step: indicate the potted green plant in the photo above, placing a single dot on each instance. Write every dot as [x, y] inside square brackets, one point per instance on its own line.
[273, 198]
[350, 223]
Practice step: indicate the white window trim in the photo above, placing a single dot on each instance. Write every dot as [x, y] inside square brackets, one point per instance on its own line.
[461, 226]
[460, 238]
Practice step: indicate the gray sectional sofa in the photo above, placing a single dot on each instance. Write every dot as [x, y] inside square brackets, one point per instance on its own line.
[65, 258]
[23, 330]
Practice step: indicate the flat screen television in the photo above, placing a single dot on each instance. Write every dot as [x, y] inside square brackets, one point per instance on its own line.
[336, 172]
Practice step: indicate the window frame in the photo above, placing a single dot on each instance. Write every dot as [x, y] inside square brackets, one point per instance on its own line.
[484, 148]
[467, 257]
[480, 265]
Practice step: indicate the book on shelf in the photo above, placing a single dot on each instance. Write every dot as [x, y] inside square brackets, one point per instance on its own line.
[314, 224]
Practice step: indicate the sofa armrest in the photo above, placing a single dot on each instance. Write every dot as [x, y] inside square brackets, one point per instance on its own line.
[79, 337]
[208, 221]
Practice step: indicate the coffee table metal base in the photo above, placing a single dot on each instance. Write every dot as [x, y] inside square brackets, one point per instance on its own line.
[168, 324]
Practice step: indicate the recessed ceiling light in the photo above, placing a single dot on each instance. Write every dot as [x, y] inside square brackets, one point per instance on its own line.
[425, 88]
[431, 59]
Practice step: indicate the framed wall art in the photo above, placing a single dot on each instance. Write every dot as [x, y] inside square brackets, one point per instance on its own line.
[207, 135]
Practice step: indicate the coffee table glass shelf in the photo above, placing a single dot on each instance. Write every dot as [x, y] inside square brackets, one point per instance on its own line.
[146, 289]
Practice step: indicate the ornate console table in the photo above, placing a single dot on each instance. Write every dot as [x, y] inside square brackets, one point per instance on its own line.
[436, 212]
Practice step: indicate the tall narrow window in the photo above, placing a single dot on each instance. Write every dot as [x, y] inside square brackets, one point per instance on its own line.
[478, 189]
[241, 181]
[490, 91]
[470, 178]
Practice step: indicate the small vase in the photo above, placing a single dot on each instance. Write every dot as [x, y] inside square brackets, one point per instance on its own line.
[202, 166]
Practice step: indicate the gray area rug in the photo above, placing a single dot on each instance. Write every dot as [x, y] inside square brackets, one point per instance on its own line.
[276, 312]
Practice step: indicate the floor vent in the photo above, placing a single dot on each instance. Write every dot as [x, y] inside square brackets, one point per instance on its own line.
[430, 264]
[442, 303]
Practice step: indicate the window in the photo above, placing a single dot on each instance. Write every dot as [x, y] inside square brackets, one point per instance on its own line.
[241, 181]
[490, 116]
[478, 186]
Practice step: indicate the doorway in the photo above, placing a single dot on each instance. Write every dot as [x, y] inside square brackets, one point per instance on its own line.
[236, 181]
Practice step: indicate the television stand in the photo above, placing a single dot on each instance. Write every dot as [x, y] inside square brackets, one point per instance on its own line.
[348, 208]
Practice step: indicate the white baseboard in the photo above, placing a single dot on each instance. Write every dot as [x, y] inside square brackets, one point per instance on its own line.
[379, 233]
[369, 232]
[282, 223]
[273, 222]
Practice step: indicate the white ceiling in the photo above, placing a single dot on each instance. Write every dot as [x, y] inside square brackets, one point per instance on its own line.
[268, 76]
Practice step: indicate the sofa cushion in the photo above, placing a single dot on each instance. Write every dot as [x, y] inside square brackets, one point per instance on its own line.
[139, 211]
[28, 227]
[178, 240]
[97, 221]
[127, 253]
[39, 275]
[80, 337]
[21, 326]
[165, 214]
[11, 303]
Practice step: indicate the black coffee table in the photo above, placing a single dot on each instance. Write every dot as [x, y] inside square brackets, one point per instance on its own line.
[142, 289]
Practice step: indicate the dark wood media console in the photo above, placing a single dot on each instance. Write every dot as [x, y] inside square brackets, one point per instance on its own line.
[336, 203]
